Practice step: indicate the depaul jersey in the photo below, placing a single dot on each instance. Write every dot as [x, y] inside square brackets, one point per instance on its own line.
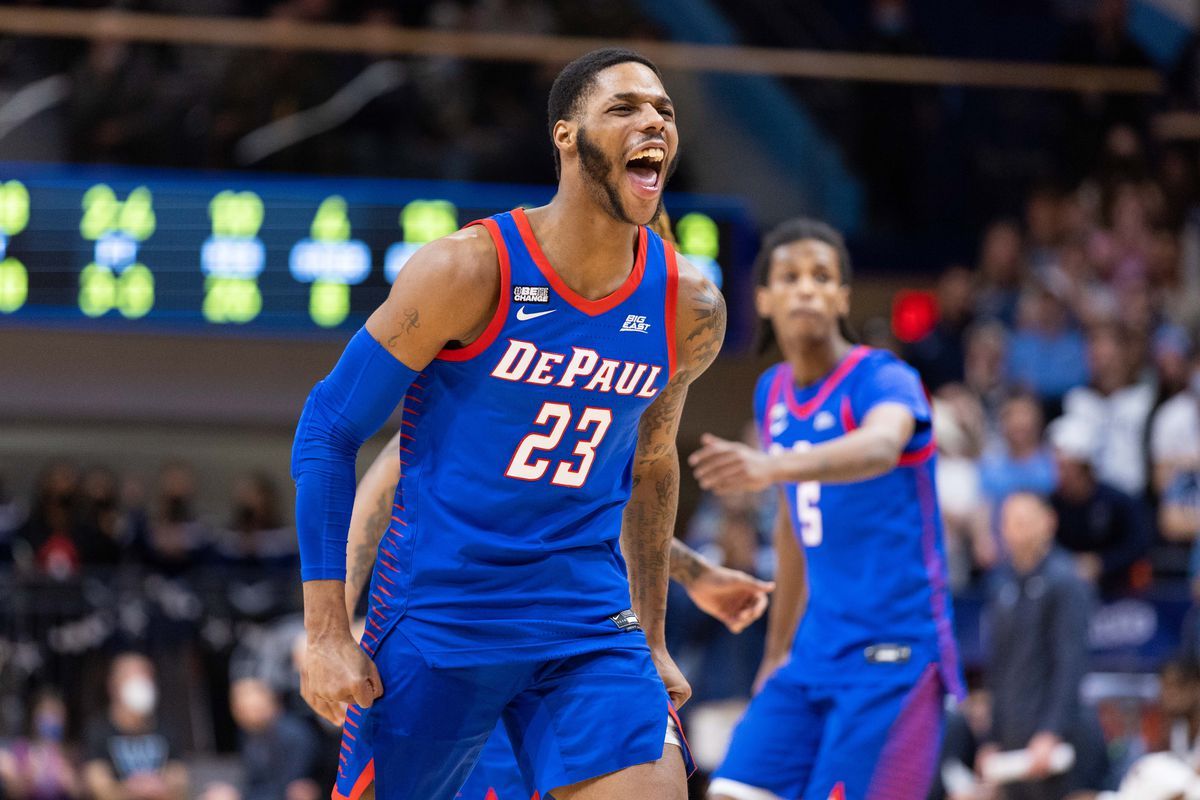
[516, 460]
[878, 603]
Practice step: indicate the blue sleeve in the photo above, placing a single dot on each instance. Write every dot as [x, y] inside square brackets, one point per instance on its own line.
[341, 413]
[892, 381]
[761, 391]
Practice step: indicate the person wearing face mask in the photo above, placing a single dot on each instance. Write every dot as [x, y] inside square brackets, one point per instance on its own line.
[127, 754]
[38, 768]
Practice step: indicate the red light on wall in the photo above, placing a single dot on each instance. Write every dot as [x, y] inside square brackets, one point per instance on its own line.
[914, 314]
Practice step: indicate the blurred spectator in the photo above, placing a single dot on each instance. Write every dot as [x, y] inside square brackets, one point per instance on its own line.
[941, 354]
[46, 542]
[1002, 269]
[172, 536]
[127, 755]
[103, 533]
[1175, 432]
[1106, 529]
[986, 349]
[39, 767]
[256, 537]
[1179, 699]
[1022, 463]
[1037, 655]
[279, 752]
[1046, 354]
[1116, 406]
[958, 429]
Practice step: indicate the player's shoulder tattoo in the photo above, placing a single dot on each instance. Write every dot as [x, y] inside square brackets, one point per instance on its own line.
[701, 324]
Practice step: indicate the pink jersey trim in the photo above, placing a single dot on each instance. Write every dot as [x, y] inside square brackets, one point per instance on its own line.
[806, 409]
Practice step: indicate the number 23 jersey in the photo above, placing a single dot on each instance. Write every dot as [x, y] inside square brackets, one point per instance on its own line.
[878, 603]
[516, 464]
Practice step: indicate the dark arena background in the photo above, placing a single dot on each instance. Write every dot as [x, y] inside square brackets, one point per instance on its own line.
[201, 202]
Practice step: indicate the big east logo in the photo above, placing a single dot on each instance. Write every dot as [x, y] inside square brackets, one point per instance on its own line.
[523, 362]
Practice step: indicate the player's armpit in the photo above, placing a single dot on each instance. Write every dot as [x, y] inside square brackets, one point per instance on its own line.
[447, 292]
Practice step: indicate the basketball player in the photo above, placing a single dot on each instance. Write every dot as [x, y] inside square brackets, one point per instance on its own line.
[542, 360]
[852, 703]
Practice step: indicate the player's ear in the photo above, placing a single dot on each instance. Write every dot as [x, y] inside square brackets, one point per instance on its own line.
[564, 135]
[843, 300]
[762, 301]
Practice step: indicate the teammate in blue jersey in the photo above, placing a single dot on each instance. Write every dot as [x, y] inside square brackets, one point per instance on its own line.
[852, 701]
[541, 359]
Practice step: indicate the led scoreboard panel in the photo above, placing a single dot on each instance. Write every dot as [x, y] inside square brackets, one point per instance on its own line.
[170, 250]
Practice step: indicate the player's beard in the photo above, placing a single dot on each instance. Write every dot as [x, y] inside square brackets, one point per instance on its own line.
[597, 175]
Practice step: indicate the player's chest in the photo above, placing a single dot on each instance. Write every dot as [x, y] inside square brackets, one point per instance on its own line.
[790, 427]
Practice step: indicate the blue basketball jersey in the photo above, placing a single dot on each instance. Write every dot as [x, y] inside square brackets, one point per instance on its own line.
[516, 462]
[878, 603]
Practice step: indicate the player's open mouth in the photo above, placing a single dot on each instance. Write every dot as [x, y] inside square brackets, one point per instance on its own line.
[645, 170]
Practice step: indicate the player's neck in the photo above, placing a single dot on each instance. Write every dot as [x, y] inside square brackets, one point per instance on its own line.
[592, 252]
[813, 359]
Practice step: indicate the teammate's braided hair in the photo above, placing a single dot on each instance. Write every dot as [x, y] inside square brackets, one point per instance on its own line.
[572, 85]
[795, 230]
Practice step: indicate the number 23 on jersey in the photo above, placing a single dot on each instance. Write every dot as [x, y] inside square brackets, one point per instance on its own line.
[592, 425]
[808, 503]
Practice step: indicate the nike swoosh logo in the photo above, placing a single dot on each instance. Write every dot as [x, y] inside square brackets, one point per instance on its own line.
[523, 315]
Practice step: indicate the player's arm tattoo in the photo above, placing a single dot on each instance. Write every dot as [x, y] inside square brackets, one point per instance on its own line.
[647, 537]
[372, 513]
[409, 322]
[686, 564]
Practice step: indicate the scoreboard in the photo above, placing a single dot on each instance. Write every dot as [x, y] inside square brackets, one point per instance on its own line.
[126, 249]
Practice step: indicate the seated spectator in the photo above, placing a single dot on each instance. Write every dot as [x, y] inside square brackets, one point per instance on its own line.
[1022, 463]
[1175, 456]
[127, 754]
[1038, 612]
[940, 355]
[257, 537]
[1107, 530]
[1116, 405]
[958, 428]
[1002, 267]
[171, 534]
[1179, 699]
[279, 752]
[986, 349]
[103, 531]
[46, 543]
[1046, 354]
[39, 767]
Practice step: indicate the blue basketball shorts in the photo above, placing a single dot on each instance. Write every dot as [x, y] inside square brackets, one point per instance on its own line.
[568, 719]
[806, 741]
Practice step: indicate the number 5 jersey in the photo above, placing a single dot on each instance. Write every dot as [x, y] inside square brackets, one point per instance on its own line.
[878, 603]
[516, 457]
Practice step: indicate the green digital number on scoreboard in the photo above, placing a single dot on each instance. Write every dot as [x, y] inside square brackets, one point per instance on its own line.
[233, 258]
[14, 216]
[115, 279]
[421, 221]
[331, 261]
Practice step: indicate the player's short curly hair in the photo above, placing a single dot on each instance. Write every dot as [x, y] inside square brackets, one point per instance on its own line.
[576, 79]
[795, 230]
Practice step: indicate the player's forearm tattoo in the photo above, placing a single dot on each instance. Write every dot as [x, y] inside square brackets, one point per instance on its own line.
[686, 563]
[362, 559]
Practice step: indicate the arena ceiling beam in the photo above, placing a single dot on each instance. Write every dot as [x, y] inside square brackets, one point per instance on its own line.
[530, 48]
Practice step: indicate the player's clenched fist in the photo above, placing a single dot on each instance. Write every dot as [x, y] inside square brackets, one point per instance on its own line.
[335, 672]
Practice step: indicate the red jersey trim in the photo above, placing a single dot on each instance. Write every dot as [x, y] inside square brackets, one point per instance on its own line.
[918, 456]
[590, 307]
[364, 780]
[498, 319]
[672, 300]
[804, 410]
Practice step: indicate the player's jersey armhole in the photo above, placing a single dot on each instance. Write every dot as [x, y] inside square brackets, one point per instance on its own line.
[497, 322]
[671, 302]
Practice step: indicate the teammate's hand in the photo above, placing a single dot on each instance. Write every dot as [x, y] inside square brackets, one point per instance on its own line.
[731, 596]
[678, 689]
[722, 466]
[336, 672]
